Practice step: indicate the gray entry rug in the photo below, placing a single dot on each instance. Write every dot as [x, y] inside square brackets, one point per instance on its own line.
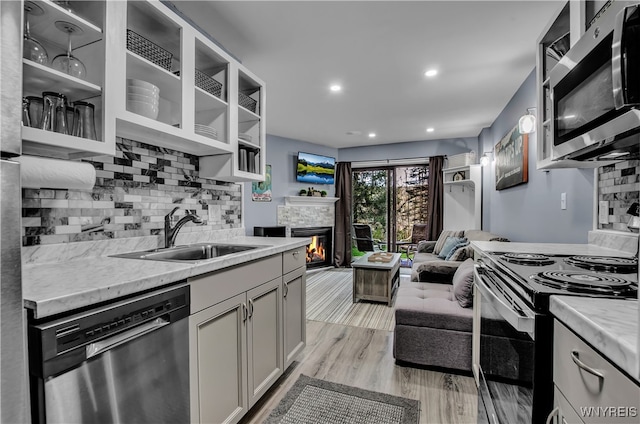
[313, 401]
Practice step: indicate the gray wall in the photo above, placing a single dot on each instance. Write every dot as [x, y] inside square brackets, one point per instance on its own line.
[281, 155]
[527, 213]
[531, 212]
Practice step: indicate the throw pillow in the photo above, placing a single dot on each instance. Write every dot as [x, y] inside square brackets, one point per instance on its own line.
[463, 283]
[449, 244]
[443, 237]
[461, 254]
[462, 243]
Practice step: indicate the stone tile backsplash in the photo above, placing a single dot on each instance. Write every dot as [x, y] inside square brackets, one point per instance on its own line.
[619, 184]
[133, 192]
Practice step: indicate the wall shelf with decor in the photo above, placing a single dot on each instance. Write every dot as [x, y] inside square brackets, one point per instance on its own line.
[462, 197]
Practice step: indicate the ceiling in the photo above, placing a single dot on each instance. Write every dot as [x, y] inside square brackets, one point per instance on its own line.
[378, 51]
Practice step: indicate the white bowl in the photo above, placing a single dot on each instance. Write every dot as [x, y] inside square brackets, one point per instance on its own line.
[141, 83]
[143, 108]
[144, 99]
[131, 89]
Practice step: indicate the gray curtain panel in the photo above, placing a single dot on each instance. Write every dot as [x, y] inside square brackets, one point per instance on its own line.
[436, 196]
[342, 245]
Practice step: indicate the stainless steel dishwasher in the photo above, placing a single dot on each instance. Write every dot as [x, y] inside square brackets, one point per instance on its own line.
[123, 362]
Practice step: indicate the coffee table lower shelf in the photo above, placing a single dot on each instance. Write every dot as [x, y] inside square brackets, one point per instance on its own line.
[376, 281]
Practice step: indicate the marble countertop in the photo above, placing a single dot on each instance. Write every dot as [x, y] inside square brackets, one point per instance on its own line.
[55, 287]
[609, 325]
[547, 248]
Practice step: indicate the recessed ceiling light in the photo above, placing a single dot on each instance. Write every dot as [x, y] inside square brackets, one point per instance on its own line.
[335, 87]
[372, 135]
[430, 129]
[431, 73]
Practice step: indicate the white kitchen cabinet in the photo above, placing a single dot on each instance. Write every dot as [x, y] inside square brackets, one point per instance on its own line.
[89, 46]
[294, 298]
[462, 197]
[589, 389]
[209, 104]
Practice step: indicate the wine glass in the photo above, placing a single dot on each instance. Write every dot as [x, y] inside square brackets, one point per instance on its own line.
[32, 49]
[66, 62]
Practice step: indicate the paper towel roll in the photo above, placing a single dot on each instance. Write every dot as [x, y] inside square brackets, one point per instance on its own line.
[37, 172]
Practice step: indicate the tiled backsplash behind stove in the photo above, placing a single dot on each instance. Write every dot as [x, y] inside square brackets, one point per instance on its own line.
[133, 192]
[619, 184]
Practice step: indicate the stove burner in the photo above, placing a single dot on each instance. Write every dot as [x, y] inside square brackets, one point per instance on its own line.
[603, 263]
[527, 259]
[584, 282]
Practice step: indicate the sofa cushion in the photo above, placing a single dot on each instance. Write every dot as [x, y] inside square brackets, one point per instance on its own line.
[449, 245]
[431, 305]
[462, 243]
[443, 238]
[460, 254]
[463, 283]
[425, 246]
[431, 269]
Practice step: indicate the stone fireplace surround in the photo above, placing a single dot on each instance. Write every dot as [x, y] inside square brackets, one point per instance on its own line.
[308, 215]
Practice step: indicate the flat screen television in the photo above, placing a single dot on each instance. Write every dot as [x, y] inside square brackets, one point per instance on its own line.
[315, 169]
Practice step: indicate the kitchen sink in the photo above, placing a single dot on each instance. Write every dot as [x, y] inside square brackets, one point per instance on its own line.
[190, 253]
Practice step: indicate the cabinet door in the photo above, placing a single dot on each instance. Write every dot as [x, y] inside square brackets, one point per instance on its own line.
[218, 358]
[295, 315]
[264, 337]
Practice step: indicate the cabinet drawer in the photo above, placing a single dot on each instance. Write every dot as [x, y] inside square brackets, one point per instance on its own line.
[566, 415]
[609, 398]
[293, 259]
[209, 289]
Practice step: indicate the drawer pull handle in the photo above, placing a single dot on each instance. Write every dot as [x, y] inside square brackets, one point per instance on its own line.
[575, 356]
[295, 253]
[286, 289]
[552, 414]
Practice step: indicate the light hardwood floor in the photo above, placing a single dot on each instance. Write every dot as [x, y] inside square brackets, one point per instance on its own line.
[362, 357]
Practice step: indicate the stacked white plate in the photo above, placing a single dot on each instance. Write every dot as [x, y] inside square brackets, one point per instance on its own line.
[206, 131]
[143, 98]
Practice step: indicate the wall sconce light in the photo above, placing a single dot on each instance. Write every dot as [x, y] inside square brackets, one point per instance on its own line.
[484, 159]
[527, 123]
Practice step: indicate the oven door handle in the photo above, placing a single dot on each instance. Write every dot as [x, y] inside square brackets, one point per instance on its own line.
[521, 323]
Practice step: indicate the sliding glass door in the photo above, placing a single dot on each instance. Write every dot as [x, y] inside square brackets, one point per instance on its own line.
[390, 200]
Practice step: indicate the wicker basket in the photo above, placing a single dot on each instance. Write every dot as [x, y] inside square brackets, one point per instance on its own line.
[462, 159]
[208, 84]
[247, 102]
[139, 45]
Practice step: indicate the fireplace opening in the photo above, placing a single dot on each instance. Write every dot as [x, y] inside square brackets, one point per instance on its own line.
[319, 252]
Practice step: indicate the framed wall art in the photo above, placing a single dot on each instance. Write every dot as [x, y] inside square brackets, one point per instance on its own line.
[512, 158]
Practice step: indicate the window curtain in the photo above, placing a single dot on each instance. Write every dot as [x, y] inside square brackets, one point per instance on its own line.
[342, 245]
[436, 197]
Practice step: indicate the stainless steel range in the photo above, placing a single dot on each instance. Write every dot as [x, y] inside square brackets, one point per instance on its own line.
[513, 329]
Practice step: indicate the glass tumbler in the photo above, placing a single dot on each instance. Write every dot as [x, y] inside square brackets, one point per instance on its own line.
[54, 112]
[35, 110]
[83, 120]
[26, 120]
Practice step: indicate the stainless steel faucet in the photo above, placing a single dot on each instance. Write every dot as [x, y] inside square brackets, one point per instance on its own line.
[170, 233]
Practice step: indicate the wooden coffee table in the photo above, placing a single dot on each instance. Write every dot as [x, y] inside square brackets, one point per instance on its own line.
[377, 281]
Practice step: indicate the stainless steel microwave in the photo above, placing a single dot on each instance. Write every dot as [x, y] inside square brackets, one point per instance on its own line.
[596, 89]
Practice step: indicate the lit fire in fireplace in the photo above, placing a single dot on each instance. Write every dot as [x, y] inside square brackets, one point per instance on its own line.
[315, 250]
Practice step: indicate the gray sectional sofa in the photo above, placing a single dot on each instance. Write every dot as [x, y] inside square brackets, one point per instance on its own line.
[428, 267]
[434, 314]
[434, 321]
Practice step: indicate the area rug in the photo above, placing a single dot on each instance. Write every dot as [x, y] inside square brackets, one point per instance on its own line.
[313, 401]
[330, 299]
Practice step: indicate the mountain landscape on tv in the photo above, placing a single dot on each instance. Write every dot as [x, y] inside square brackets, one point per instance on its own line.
[315, 169]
